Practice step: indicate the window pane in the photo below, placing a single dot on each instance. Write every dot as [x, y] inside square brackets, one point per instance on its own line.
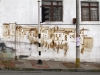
[94, 14]
[60, 3]
[57, 13]
[55, 9]
[54, 3]
[85, 14]
[48, 16]
[46, 3]
[84, 4]
[57, 3]
[93, 4]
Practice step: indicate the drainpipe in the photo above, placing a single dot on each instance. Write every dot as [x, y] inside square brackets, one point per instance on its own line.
[77, 36]
[39, 34]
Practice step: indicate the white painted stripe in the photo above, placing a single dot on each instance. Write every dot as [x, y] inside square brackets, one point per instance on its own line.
[39, 41]
[39, 57]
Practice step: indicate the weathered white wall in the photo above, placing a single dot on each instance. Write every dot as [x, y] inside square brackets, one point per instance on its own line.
[19, 11]
[94, 28]
[26, 12]
[94, 54]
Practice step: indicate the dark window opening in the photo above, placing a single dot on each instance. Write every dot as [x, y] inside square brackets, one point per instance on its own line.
[56, 9]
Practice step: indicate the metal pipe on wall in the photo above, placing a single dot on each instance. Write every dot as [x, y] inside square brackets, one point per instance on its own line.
[39, 34]
[15, 43]
[77, 36]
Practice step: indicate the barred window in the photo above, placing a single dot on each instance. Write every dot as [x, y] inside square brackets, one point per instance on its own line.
[56, 9]
[89, 11]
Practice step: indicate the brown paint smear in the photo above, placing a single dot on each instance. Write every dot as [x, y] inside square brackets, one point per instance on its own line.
[32, 33]
[87, 43]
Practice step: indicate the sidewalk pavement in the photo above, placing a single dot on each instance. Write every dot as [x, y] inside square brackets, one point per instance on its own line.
[32, 65]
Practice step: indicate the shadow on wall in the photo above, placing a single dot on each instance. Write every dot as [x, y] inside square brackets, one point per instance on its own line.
[5, 49]
[2, 45]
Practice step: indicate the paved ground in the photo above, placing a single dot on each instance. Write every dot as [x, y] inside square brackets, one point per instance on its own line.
[46, 73]
[47, 65]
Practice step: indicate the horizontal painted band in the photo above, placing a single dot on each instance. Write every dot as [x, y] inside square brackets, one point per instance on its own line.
[39, 36]
[39, 44]
[39, 52]
[77, 46]
[54, 24]
[77, 62]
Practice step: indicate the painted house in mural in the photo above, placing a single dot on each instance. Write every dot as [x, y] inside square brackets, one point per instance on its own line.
[19, 29]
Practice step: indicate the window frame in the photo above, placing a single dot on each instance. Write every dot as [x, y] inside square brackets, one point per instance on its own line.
[51, 6]
[90, 19]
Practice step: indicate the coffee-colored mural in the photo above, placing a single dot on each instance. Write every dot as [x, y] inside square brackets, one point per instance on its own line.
[86, 41]
[55, 38]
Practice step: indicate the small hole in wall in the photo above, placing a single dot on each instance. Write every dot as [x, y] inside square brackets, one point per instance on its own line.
[45, 50]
